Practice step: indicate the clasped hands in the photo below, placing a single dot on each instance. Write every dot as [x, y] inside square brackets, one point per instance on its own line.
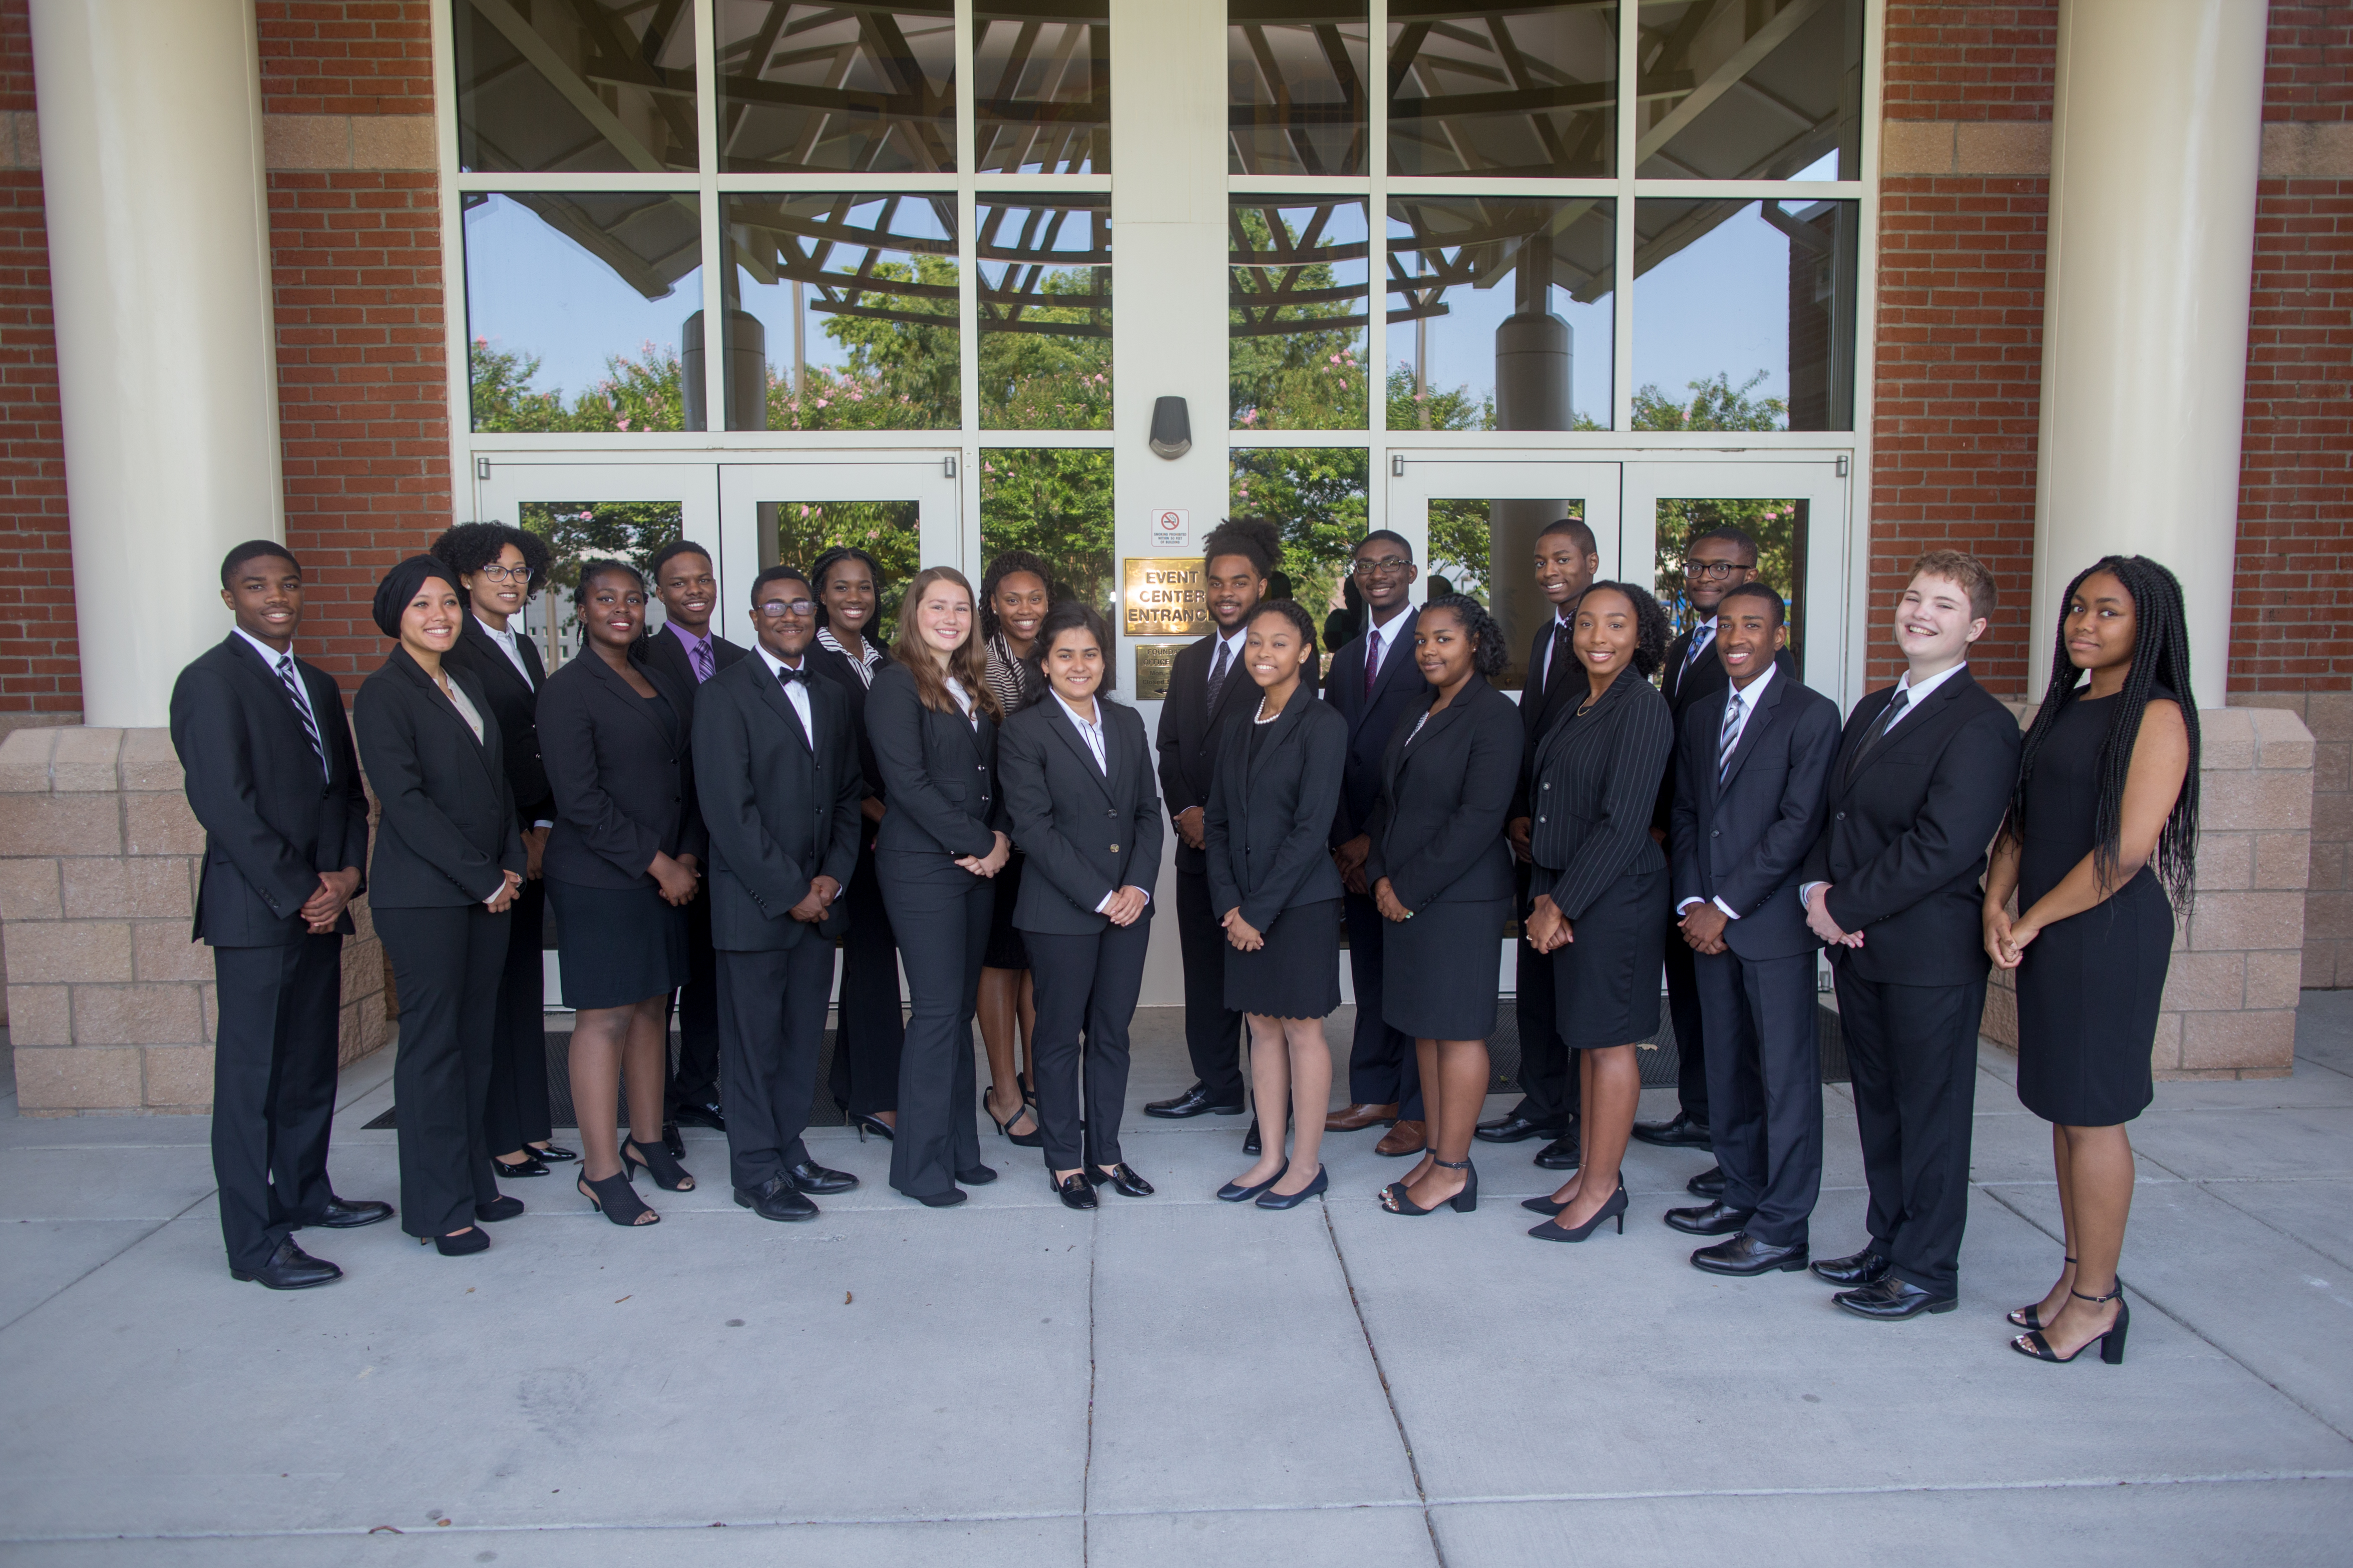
[1547, 929]
[1127, 904]
[323, 909]
[990, 864]
[2006, 940]
[1817, 920]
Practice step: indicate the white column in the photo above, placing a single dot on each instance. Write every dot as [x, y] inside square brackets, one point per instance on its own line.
[159, 274]
[2156, 144]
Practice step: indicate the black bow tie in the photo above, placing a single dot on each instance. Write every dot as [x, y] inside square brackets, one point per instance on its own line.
[789, 676]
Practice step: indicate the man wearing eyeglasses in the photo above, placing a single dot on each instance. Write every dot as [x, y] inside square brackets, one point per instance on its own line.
[1373, 680]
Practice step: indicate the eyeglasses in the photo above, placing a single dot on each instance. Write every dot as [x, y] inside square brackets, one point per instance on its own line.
[774, 608]
[1708, 571]
[1386, 567]
[505, 573]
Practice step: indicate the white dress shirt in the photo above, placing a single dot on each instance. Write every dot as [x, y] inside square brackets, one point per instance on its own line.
[506, 638]
[1233, 646]
[1379, 643]
[796, 691]
[273, 659]
[1747, 701]
[1543, 676]
[870, 658]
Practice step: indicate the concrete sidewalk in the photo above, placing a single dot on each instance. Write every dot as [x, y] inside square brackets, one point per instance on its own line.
[1176, 1381]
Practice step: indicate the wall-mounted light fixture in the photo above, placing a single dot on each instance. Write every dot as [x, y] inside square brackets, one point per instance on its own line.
[1172, 428]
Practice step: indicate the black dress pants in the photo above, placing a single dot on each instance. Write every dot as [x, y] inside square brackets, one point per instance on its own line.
[1912, 1052]
[1550, 1091]
[872, 1029]
[1383, 1067]
[517, 1111]
[447, 962]
[1691, 1029]
[1213, 1032]
[1764, 1086]
[1087, 987]
[274, 1089]
[771, 1029]
[941, 915]
[694, 1079]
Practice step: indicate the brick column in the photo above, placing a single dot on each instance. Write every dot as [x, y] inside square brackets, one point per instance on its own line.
[110, 1005]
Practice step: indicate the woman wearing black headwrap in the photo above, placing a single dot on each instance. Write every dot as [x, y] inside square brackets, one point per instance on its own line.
[449, 859]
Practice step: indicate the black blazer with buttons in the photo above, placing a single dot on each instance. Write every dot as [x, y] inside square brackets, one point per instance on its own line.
[1438, 826]
[1905, 848]
[624, 782]
[1596, 776]
[273, 819]
[1270, 815]
[943, 773]
[661, 649]
[779, 812]
[1704, 678]
[515, 702]
[1087, 833]
[1744, 840]
[447, 830]
[1191, 733]
[1399, 690]
[838, 670]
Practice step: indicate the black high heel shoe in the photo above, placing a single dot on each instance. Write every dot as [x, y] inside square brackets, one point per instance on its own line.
[458, 1243]
[1033, 1138]
[865, 1123]
[2111, 1344]
[1394, 1198]
[616, 1200]
[554, 1153]
[2030, 1317]
[1235, 1193]
[1613, 1207]
[668, 1173]
[1543, 1205]
[526, 1167]
[1271, 1199]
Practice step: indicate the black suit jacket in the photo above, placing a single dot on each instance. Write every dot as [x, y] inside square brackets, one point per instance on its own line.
[1905, 847]
[624, 787]
[1270, 816]
[1086, 833]
[1546, 694]
[515, 702]
[1190, 734]
[1399, 692]
[779, 811]
[662, 650]
[1704, 679]
[272, 820]
[1596, 780]
[838, 670]
[1438, 825]
[941, 767]
[1744, 840]
[447, 833]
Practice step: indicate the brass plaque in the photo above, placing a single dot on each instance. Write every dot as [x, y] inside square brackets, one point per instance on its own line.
[1154, 660]
[1163, 597]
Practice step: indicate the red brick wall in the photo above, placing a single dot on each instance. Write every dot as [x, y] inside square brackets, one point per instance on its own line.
[345, 57]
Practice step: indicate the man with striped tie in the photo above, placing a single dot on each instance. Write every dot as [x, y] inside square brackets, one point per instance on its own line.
[271, 775]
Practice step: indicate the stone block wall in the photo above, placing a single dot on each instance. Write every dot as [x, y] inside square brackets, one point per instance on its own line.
[2328, 897]
[110, 1005]
[2230, 991]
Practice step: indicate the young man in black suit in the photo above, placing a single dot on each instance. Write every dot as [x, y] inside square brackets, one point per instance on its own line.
[1373, 680]
[1751, 783]
[271, 773]
[1922, 777]
[779, 783]
[1567, 560]
[685, 645]
[1208, 689]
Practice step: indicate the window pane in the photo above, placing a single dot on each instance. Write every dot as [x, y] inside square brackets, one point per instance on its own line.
[1531, 91]
[1045, 313]
[1484, 549]
[836, 87]
[1056, 504]
[1500, 313]
[1297, 316]
[1744, 315]
[576, 531]
[842, 309]
[796, 530]
[1295, 85]
[1042, 105]
[1315, 495]
[579, 86]
[1778, 527]
[579, 307]
[1762, 91]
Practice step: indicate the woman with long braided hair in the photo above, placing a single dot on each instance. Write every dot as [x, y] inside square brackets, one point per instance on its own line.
[2099, 848]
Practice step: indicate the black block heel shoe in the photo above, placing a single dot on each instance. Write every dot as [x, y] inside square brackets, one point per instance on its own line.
[460, 1244]
[668, 1173]
[2112, 1343]
[1271, 1199]
[616, 1200]
[1393, 1199]
[1613, 1208]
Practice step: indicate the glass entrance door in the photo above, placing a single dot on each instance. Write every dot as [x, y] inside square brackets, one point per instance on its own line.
[903, 508]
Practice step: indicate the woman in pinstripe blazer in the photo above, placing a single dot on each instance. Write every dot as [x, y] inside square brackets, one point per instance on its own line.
[1600, 881]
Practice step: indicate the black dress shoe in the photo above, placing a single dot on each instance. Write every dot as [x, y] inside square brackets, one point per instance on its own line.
[948, 1199]
[289, 1268]
[1120, 1179]
[1195, 1101]
[554, 1153]
[1515, 1129]
[707, 1115]
[340, 1215]
[978, 1176]
[516, 1170]
[1250, 1144]
[672, 1142]
[1744, 1256]
[1708, 1183]
[1560, 1154]
[1868, 1267]
[809, 1176]
[1075, 1191]
[498, 1208]
[1891, 1300]
[1714, 1219]
[1683, 1132]
[776, 1198]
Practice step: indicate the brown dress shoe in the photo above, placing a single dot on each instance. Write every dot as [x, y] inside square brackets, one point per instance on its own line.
[1356, 1118]
[1405, 1138]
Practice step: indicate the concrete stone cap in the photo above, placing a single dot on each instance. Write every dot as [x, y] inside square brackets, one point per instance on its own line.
[78, 760]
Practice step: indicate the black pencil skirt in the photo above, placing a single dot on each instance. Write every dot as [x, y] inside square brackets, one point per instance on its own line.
[1606, 981]
[1296, 974]
[1440, 970]
[617, 945]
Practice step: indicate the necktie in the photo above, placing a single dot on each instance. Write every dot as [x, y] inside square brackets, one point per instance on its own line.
[1701, 638]
[1879, 731]
[302, 710]
[1218, 672]
[789, 676]
[1372, 660]
[1730, 737]
[1560, 650]
[700, 657]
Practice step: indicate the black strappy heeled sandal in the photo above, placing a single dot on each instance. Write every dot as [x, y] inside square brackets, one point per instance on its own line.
[668, 1173]
[1394, 1198]
[2030, 1317]
[1033, 1138]
[616, 1200]
[2111, 1342]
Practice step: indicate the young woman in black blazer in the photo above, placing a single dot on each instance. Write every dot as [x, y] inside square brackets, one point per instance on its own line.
[1600, 885]
[622, 865]
[1277, 893]
[932, 720]
[865, 1076]
[1440, 872]
[1076, 772]
[1013, 605]
[449, 860]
